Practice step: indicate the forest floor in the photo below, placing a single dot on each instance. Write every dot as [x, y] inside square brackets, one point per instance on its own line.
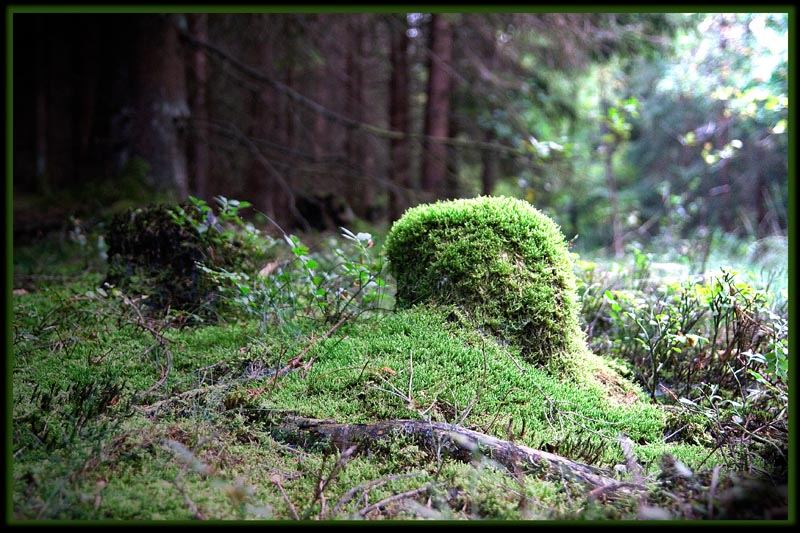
[120, 415]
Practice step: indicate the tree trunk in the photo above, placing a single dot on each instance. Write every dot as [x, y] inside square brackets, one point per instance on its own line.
[161, 103]
[437, 110]
[489, 164]
[360, 189]
[613, 199]
[42, 81]
[399, 120]
[198, 26]
[264, 124]
[87, 78]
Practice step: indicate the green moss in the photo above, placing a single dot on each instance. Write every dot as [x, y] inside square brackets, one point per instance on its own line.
[455, 375]
[501, 261]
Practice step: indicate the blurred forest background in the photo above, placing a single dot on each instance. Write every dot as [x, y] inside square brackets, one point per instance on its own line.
[660, 130]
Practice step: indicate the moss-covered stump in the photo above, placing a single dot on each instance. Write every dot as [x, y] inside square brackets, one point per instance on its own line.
[501, 261]
[156, 251]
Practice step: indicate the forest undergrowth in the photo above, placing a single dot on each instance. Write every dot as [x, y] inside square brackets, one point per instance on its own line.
[124, 412]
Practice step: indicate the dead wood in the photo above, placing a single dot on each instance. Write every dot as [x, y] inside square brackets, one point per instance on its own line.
[448, 440]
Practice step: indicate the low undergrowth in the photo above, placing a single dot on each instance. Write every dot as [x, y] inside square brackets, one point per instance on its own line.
[121, 415]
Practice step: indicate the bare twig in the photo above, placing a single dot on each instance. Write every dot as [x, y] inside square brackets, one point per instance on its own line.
[712, 490]
[367, 486]
[196, 513]
[322, 484]
[162, 341]
[276, 479]
[397, 497]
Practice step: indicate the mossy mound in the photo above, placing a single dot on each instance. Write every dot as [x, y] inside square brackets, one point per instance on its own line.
[501, 261]
[415, 364]
[156, 251]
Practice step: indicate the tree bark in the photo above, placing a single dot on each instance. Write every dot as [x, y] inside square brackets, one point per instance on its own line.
[489, 164]
[399, 120]
[42, 81]
[611, 184]
[360, 187]
[198, 26]
[437, 109]
[161, 103]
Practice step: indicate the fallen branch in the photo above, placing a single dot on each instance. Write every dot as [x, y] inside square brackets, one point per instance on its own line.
[454, 441]
[276, 479]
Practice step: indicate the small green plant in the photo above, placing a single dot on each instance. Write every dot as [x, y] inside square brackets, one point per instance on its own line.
[715, 348]
[156, 251]
[327, 287]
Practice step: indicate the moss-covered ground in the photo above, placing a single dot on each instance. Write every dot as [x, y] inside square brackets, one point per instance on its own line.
[88, 443]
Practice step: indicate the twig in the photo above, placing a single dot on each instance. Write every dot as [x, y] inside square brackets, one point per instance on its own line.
[601, 491]
[322, 485]
[712, 490]
[634, 469]
[297, 361]
[196, 513]
[369, 485]
[160, 339]
[397, 497]
[276, 479]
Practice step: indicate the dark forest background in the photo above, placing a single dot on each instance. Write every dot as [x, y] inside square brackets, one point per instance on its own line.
[623, 127]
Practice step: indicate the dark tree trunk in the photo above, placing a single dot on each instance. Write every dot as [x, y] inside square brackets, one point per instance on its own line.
[268, 185]
[42, 81]
[399, 120]
[611, 184]
[360, 187]
[451, 182]
[161, 104]
[87, 79]
[437, 111]
[198, 26]
[489, 167]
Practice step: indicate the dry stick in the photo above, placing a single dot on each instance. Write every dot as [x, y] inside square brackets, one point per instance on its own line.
[402, 496]
[634, 469]
[196, 513]
[712, 490]
[160, 339]
[323, 484]
[276, 479]
[296, 361]
[600, 491]
[457, 442]
[364, 487]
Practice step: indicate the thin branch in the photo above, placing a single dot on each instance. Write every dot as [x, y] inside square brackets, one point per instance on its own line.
[397, 497]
